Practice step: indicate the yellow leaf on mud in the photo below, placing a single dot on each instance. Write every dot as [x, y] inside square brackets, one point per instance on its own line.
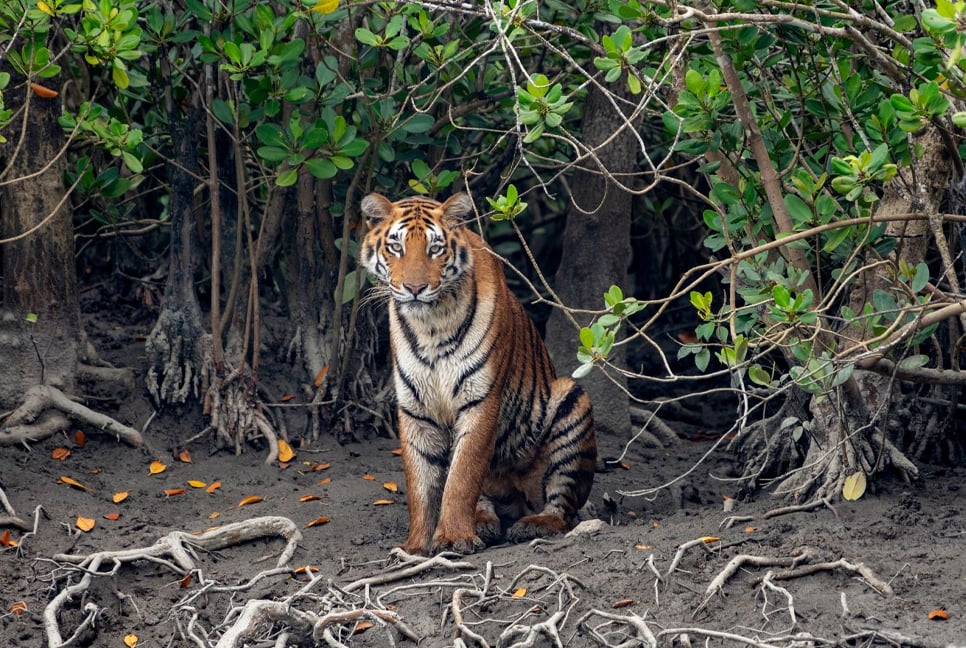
[85, 524]
[170, 492]
[131, 640]
[391, 486]
[156, 467]
[184, 456]
[213, 515]
[117, 498]
[194, 483]
[854, 486]
[18, 608]
[213, 486]
[251, 499]
[309, 498]
[520, 593]
[383, 502]
[60, 454]
[324, 7]
[6, 541]
[369, 478]
[362, 626]
[285, 452]
[73, 483]
[317, 522]
[113, 517]
[709, 539]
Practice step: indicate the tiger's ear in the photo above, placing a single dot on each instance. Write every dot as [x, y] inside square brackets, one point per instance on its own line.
[456, 207]
[375, 207]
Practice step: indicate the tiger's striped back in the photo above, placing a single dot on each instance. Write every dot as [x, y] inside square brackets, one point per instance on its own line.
[490, 436]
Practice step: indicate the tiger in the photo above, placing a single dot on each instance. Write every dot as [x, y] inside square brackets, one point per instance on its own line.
[495, 446]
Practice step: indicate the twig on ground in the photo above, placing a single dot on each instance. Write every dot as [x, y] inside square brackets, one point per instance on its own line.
[682, 549]
[857, 568]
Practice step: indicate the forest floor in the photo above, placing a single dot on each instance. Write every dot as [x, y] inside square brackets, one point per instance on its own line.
[864, 573]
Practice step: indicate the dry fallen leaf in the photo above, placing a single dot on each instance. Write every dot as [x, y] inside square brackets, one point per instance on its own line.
[305, 569]
[18, 608]
[287, 397]
[369, 478]
[383, 502]
[285, 452]
[117, 498]
[43, 91]
[213, 515]
[362, 626]
[309, 498]
[939, 614]
[750, 529]
[317, 522]
[391, 486]
[6, 541]
[186, 581]
[319, 377]
[156, 467]
[131, 640]
[625, 465]
[709, 539]
[327, 480]
[85, 524]
[213, 486]
[251, 499]
[113, 517]
[194, 483]
[623, 603]
[80, 438]
[60, 454]
[174, 491]
[520, 593]
[854, 486]
[643, 547]
[185, 456]
[73, 483]
[320, 466]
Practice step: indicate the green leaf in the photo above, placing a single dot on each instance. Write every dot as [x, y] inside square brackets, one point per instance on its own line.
[798, 209]
[921, 277]
[321, 168]
[287, 178]
[582, 370]
[272, 153]
[587, 337]
[366, 37]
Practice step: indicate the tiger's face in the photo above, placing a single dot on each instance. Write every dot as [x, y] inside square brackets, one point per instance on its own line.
[416, 246]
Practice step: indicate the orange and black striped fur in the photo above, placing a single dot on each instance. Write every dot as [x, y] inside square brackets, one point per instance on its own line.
[491, 438]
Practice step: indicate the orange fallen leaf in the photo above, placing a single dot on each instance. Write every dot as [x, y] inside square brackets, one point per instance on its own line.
[709, 539]
[369, 477]
[113, 517]
[85, 524]
[18, 608]
[623, 603]
[60, 454]
[131, 640]
[156, 467]
[327, 480]
[117, 498]
[97, 471]
[194, 483]
[287, 397]
[305, 569]
[362, 626]
[750, 529]
[643, 547]
[396, 451]
[625, 465]
[656, 525]
[186, 581]
[80, 438]
[213, 515]
[185, 456]
[519, 593]
[309, 498]
[174, 491]
[43, 91]
[939, 614]
[391, 486]
[285, 452]
[320, 466]
[319, 377]
[213, 486]
[6, 541]
[73, 483]
[251, 499]
[382, 502]
[317, 522]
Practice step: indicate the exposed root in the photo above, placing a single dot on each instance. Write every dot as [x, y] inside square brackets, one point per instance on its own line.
[10, 519]
[236, 414]
[179, 350]
[654, 432]
[46, 410]
[173, 551]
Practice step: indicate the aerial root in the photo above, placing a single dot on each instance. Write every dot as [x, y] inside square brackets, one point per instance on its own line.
[11, 518]
[46, 411]
[730, 521]
[173, 551]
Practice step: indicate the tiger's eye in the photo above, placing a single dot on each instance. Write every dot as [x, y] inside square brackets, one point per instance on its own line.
[394, 248]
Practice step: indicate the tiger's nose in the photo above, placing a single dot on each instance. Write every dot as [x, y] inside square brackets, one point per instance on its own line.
[415, 289]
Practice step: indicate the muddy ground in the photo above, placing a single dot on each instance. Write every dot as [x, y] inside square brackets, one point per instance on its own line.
[632, 579]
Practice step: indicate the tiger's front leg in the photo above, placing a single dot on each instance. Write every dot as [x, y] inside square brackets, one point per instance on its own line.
[425, 453]
[474, 438]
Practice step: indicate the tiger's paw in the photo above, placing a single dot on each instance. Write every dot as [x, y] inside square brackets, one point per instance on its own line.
[463, 546]
[488, 527]
[536, 526]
